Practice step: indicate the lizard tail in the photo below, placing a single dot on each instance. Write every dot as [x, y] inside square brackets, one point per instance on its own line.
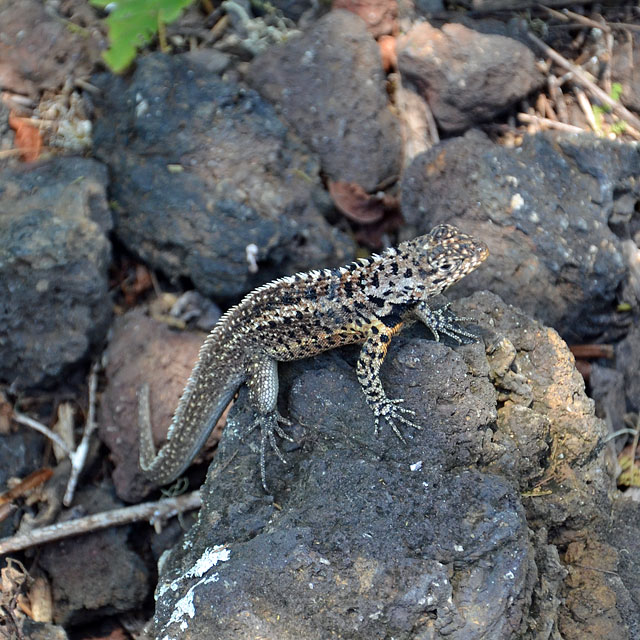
[182, 444]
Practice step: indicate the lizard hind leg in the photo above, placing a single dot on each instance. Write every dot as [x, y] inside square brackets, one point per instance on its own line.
[263, 396]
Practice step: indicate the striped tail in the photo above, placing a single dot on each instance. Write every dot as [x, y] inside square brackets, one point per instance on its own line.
[195, 418]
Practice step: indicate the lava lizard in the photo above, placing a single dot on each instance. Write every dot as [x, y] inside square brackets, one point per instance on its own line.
[366, 302]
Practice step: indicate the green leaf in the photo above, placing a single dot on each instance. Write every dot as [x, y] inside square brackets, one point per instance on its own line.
[133, 24]
[616, 90]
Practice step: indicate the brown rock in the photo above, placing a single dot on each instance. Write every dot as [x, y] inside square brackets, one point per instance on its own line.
[380, 16]
[38, 51]
[466, 76]
[142, 350]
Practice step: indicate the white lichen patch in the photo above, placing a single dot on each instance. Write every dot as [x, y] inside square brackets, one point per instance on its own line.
[185, 608]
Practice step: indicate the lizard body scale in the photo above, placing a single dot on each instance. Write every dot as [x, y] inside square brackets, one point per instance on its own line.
[367, 302]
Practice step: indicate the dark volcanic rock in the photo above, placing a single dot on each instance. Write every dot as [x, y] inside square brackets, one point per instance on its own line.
[373, 538]
[543, 209]
[54, 256]
[627, 359]
[329, 84]
[96, 574]
[466, 77]
[203, 170]
[20, 455]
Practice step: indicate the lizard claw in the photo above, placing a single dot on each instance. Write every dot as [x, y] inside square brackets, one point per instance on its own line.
[391, 412]
[444, 321]
[268, 428]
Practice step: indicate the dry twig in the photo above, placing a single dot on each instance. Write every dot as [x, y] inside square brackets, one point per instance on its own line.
[547, 123]
[25, 420]
[587, 109]
[580, 77]
[152, 511]
[79, 456]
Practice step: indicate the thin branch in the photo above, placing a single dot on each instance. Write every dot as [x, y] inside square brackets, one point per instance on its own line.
[547, 122]
[79, 456]
[581, 78]
[587, 109]
[566, 15]
[166, 508]
[38, 426]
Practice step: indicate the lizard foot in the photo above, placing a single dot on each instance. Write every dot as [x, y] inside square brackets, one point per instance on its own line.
[390, 411]
[443, 321]
[269, 426]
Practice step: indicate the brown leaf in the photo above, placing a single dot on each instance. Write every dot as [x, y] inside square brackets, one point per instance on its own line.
[32, 481]
[27, 138]
[356, 204]
[6, 411]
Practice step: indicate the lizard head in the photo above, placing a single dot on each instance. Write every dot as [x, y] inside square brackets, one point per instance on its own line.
[440, 258]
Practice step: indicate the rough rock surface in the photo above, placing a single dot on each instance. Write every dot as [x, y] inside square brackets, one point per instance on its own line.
[95, 574]
[141, 350]
[203, 169]
[627, 359]
[27, 31]
[54, 256]
[543, 209]
[380, 16]
[625, 71]
[20, 455]
[461, 73]
[329, 85]
[429, 539]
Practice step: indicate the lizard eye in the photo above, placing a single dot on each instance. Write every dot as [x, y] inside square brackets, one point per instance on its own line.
[448, 266]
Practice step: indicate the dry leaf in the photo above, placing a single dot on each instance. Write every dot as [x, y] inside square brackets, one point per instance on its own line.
[6, 411]
[27, 138]
[21, 487]
[41, 600]
[64, 428]
[12, 578]
[630, 476]
[356, 204]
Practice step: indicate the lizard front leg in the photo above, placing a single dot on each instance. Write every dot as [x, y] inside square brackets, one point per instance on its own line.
[371, 358]
[263, 397]
[443, 321]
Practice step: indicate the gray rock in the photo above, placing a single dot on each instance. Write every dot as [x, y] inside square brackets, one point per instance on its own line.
[329, 84]
[203, 169]
[96, 574]
[43, 631]
[627, 359]
[373, 538]
[624, 576]
[20, 455]
[543, 209]
[625, 71]
[54, 256]
[466, 77]
[607, 388]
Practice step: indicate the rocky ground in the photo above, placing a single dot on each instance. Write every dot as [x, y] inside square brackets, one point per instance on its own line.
[266, 140]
